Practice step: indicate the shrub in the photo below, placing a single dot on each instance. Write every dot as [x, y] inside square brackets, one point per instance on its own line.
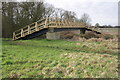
[89, 35]
[67, 35]
[107, 36]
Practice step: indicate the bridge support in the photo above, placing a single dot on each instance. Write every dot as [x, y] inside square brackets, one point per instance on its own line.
[51, 35]
[50, 29]
[82, 31]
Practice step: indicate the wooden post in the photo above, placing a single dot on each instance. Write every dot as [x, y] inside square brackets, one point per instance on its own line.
[69, 23]
[14, 37]
[72, 24]
[28, 29]
[65, 23]
[59, 24]
[56, 22]
[77, 24]
[46, 23]
[21, 32]
[36, 26]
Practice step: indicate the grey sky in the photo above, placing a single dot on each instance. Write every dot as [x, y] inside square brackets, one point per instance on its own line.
[119, 14]
[104, 12]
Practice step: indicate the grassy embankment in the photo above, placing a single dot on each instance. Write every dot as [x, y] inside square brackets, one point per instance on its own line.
[59, 58]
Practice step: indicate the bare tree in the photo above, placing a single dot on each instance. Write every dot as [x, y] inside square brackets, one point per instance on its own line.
[85, 19]
[97, 25]
[70, 15]
[59, 13]
[49, 10]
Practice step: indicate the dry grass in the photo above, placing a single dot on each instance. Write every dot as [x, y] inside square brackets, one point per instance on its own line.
[76, 36]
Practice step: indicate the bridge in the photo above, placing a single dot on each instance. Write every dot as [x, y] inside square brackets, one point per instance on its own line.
[50, 26]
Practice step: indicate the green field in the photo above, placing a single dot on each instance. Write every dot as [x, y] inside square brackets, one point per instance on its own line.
[59, 59]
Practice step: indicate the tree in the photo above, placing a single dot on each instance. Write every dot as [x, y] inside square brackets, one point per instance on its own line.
[7, 18]
[49, 10]
[16, 15]
[109, 26]
[61, 13]
[69, 15]
[85, 19]
[97, 25]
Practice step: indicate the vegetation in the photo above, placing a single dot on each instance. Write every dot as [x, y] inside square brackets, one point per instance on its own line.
[59, 59]
[97, 25]
[107, 36]
[90, 35]
[87, 35]
[85, 19]
[16, 15]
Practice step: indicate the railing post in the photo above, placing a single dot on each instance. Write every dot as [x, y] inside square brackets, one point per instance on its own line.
[56, 22]
[69, 23]
[46, 23]
[36, 26]
[65, 23]
[14, 37]
[72, 24]
[59, 21]
[76, 24]
[28, 29]
[21, 32]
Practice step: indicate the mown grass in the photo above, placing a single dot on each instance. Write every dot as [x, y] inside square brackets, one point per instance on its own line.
[59, 59]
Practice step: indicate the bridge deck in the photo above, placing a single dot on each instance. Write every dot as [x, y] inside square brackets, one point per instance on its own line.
[45, 24]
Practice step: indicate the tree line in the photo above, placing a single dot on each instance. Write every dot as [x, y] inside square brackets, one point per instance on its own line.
[16, 15]
[97, 25]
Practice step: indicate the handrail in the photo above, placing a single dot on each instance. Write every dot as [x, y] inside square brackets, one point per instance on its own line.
[46, 23]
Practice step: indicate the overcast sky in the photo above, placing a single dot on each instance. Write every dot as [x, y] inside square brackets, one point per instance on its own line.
[104, 12]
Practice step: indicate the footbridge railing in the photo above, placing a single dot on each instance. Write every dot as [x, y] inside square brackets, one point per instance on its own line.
[45, 23]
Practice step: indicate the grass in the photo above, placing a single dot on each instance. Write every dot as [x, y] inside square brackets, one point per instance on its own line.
[59, 59]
